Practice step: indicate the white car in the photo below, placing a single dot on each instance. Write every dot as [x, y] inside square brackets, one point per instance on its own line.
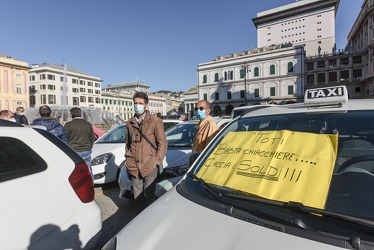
[47, 193]
[296, 176]
[180, 140]
[108, 153]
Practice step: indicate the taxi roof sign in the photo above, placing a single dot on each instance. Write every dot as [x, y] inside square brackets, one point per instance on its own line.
[326, 96]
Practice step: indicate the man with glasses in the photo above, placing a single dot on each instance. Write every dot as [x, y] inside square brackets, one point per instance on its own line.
[207, 127]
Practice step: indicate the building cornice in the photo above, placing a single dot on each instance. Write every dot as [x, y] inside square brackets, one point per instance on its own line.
[39, 70]
[295, 11]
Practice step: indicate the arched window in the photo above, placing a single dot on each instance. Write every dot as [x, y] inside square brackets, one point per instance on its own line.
[242, 73]
[272, 69]
[290, 67]
[205, 79]
[216, 77]
[256, 72]
[225, 76]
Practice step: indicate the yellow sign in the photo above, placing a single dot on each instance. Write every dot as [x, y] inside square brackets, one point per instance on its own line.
[277, 165]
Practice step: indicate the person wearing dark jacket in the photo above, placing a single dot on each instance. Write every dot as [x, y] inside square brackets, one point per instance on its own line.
[20, 117]
[52, 126]
[145, 149]
[81, 135]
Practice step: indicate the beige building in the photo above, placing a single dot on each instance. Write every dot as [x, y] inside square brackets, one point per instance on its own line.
[14, 90]
[119, 106]
[156, 105]
[62, 85]
[172, 102]
[310, 23]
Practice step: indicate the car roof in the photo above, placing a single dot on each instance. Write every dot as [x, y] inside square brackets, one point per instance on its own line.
[352, 104]
[249, 107]
[172, 120]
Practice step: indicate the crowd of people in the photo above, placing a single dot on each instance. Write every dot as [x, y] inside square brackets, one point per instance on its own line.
[145, 133]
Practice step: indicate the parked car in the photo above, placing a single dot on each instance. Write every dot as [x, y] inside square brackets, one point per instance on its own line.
[169, 123]
[108, 153]
[47, 193]
[296, 176]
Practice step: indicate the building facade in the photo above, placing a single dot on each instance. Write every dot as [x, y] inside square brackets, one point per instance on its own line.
[156, 105]
[189, 101]
[310, 23]
[273, 74]
[341, 68]
[361, 42]
[119, 106]
[61, 85]
[128, 87]
[13, 83]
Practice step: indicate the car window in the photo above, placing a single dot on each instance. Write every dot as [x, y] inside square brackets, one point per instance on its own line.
[223, 124]
[181, 135]
[116, 135]
[17, 160]
[168, 125]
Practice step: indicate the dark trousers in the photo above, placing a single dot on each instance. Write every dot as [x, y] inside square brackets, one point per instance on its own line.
[144, 190]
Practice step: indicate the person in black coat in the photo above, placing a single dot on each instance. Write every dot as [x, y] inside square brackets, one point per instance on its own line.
[20, 117]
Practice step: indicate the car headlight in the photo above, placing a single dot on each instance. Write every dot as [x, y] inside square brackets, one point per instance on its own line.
[177, 171]
[101, 159]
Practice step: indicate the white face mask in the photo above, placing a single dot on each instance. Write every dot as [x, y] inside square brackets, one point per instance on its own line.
[139, 109]
[21, 113]
[12, 119]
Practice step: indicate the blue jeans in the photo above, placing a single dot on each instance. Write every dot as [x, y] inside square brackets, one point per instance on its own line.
[86, 156]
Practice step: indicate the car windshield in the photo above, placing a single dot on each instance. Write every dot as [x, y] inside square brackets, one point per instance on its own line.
[116, 135]
[181, 135]
[339, 145]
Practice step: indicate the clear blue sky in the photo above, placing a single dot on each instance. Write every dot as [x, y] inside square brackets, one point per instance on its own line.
[158, 42]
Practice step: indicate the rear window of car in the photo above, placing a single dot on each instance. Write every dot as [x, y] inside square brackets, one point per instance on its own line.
[17, 160]
[116, 135]
[168, 125]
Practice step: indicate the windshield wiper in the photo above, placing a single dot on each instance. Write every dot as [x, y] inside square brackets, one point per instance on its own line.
[267, 213]
[212, 190]
[299, 207]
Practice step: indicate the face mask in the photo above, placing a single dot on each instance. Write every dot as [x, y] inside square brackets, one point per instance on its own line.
[139, 109]
[201, 114]
[22, 113]
[12, 119]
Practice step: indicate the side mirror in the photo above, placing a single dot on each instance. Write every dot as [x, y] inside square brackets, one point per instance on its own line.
[192, 158]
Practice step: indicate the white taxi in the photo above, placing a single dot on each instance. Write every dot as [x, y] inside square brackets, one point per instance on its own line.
[296, 176]
[47, 193]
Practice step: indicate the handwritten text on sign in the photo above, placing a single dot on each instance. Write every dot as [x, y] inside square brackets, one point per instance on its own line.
[278, 165]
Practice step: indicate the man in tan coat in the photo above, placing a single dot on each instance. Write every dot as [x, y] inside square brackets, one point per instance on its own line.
[207, 127]
[146, 147]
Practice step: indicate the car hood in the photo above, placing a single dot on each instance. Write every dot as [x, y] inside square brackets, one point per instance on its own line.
[103, 148]
[177, 156]
[174, 222]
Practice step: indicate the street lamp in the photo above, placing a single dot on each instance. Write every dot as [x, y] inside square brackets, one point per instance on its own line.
[244, 68]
